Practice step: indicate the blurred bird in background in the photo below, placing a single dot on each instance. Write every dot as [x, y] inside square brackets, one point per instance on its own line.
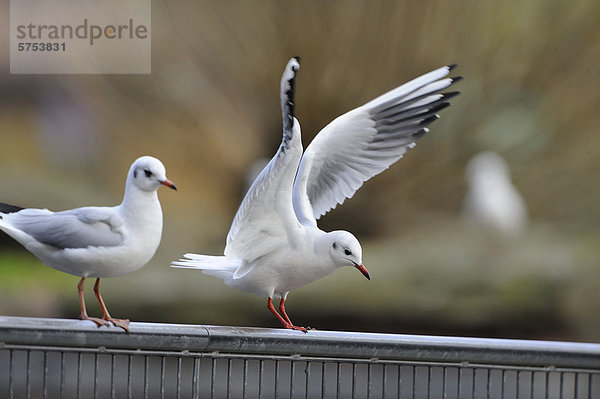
[492, 201]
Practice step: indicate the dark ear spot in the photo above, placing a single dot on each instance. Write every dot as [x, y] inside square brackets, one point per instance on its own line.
[334, 245]
[135, 173]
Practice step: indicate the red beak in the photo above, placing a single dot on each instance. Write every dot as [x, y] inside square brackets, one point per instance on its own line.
[169, 184]
[363, 270]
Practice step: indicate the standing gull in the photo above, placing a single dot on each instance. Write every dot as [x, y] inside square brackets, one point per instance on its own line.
[97, 241]
[274, 244]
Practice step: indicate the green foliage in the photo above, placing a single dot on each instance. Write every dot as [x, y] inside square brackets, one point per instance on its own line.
[21, 271]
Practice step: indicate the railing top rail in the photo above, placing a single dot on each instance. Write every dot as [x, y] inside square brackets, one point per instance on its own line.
[200, 338]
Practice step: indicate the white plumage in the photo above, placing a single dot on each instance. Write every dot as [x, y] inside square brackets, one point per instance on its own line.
[96, 241]
[274, 244]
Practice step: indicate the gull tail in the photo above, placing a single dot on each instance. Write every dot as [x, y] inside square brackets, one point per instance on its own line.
[8, 228]
[218, 266]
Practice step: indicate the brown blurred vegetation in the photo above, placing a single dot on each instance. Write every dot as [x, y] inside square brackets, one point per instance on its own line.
[211, 107]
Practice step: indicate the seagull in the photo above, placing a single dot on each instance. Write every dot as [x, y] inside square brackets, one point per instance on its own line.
[492, 200]
[96, 241]
[274, 244]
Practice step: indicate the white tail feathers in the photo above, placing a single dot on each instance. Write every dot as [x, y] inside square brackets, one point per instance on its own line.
[218, 266]
[202, 262]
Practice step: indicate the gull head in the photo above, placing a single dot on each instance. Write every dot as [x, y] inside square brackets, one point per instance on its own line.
[345, 250]
[148, 173]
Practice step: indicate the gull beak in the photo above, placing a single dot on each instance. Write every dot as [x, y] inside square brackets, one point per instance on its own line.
[169, 184]
[363, 270]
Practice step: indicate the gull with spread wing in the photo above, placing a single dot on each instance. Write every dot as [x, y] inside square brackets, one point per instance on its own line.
[274, 244]
[96, 241]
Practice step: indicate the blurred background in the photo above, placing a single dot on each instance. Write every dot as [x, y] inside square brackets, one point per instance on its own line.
[442, 258]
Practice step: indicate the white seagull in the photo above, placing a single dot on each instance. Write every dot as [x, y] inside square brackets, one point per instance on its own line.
[96, 241]
[492, 201]
[274, 244]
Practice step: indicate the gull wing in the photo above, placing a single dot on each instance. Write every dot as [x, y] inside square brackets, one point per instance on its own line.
[365, 141]
[266, 220]
[75, 228]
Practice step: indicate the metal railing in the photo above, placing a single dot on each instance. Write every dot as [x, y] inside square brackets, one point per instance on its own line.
[55, 358]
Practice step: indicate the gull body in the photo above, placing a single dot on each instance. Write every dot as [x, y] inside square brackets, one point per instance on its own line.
[96, 241]
[306, 258]
[274, 244]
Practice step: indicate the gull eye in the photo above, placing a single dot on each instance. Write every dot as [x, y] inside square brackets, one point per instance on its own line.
[148, 173]
[347, 252]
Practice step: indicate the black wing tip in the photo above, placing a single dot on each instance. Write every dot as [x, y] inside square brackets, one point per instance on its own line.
[451, 67]
[294, 67]
[7, 208]
[440, 107]
[297, 58]
[428, 120]
[450, 94]
[420, 133]
[288, 86]
[456, 79]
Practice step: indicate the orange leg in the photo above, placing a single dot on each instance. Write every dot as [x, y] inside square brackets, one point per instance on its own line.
[123, 323]
[84, 315]
[282, 311]
[285, 322]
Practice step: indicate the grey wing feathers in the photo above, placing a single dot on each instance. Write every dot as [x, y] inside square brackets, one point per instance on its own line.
[365, 141]
[401, 125]
[76, 228]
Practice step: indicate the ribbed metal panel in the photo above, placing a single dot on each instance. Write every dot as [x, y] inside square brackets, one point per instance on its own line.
[50, 358]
